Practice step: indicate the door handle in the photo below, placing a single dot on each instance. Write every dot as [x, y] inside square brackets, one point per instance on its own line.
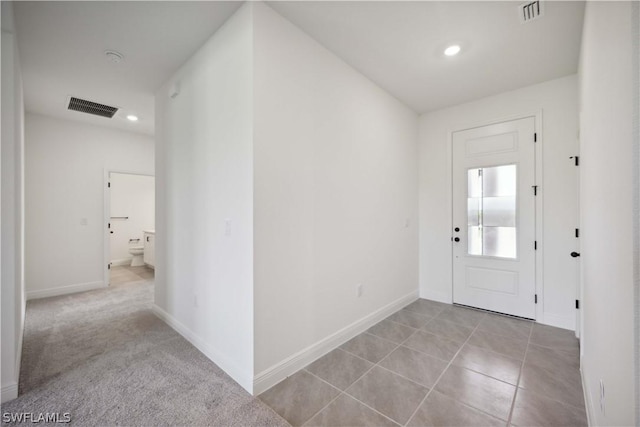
[575, 254]
[456, 239]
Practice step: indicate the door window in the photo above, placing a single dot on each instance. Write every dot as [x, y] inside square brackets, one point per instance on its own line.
[491, 211]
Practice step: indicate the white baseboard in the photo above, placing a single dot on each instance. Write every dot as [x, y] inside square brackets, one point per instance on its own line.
[230, 367]
[21, 334]
[63, 290]
[438, 296]
[278, 372]
[119, 262]
[564, 322]
[9, 392]
[587, 396]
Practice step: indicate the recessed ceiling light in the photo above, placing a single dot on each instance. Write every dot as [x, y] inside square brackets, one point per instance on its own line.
[452, 50]
[132, 118]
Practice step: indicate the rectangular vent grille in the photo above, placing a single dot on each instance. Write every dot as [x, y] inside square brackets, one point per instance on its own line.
[530, 11]
[84, 106]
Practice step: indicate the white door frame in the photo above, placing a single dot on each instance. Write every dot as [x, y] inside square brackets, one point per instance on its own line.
[538, 179]
[106, 242]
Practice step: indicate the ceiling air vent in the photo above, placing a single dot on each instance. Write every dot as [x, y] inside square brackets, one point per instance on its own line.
[84, 106]
[530, 11]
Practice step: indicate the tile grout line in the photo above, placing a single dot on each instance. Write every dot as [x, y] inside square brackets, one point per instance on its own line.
[357, 379]
[402, 344]
[345, 390]
[369, 370]
[340, 393]
[382, 367]
[515, 395]
[442, 374]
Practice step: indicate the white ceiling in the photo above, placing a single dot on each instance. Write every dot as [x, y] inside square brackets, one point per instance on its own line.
[396, 44]
[62, 46]
[399, 45]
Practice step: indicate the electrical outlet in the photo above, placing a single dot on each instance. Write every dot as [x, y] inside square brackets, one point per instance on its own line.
[602, 395]
[359, 290]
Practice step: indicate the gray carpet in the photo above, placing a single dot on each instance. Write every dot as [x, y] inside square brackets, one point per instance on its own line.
[106, 359]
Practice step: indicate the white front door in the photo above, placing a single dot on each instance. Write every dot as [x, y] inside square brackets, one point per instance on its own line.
[494, 217]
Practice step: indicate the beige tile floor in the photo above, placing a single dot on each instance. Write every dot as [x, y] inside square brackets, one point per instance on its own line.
[127, 274]
[437, 364]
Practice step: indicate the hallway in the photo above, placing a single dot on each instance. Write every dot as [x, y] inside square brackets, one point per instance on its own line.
[106, 359]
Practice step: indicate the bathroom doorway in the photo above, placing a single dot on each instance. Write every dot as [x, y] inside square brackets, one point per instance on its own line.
[130, 226]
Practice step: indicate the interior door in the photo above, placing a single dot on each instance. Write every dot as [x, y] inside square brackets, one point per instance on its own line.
[494, 217]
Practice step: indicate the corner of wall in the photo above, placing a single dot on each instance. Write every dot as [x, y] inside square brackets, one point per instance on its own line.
[245, 379]
[205, 160]
[9, 392]
[12, 229]
[636, 179]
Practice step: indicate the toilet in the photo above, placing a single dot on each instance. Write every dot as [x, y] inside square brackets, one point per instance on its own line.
[138, 253]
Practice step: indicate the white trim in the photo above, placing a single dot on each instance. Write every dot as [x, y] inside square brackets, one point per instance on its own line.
[120, 262]
[539, 221]
[292, 364]
[557, 320]
[229, 366]
[587, 396]
[23, 301]
[64, 290]
[9, 392]
[436, 296]
[106, 248]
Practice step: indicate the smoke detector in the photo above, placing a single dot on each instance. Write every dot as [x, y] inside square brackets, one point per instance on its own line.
[114, 56]
[530, 11]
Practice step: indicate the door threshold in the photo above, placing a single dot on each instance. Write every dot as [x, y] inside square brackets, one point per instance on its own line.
[494, 312]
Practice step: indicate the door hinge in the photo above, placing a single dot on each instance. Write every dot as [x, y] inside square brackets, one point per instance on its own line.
[535, 137]
[109, 225]
[535, 298]
[108, 184]
[535, 245]
[576, 159]
[535, 190]
[578, 304]
[109, 266]
[577, 232]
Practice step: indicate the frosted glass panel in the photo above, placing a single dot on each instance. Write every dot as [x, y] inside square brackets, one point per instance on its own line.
[499, 181]
[499, 242]
[499, 211]
[474, 235]
[473, 211]
[491, 211]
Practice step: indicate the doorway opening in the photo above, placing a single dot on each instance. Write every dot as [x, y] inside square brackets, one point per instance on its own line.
[130, 228]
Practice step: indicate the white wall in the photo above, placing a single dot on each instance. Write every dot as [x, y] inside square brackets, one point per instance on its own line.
[12, 211]
[606, 124]
[558, 191]
[335, 200]
[65, 171]
[132, 196]
[204, 200]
